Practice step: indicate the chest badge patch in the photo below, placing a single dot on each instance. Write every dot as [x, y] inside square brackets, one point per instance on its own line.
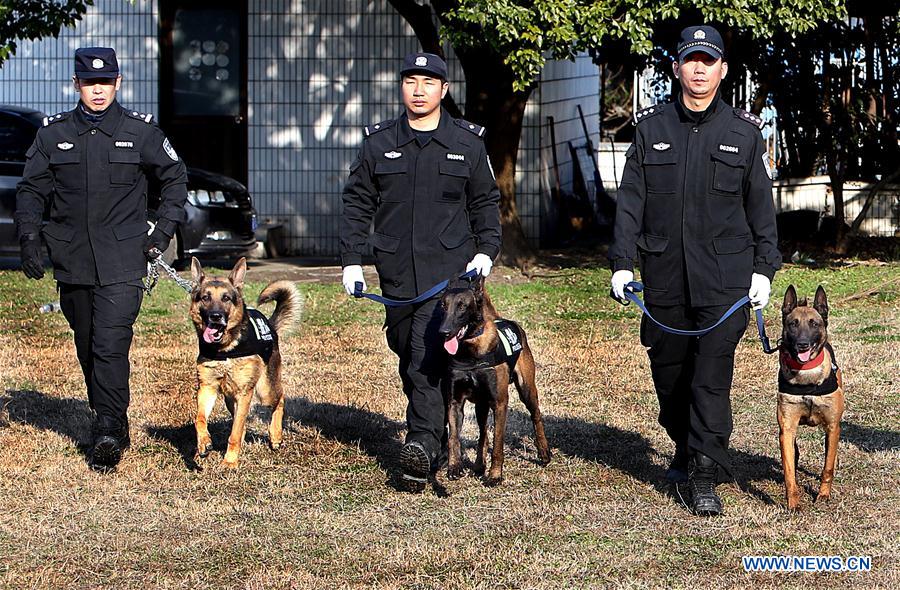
[456, 157]
[731, 149]
[65, 146]
[767, 163]
[125, 144]
[661, 146]
[392, 155]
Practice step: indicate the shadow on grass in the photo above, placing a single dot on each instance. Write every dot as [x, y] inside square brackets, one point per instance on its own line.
[633, 454]
[67, 417]
[375, 434]
[869, 439]
[184, 439]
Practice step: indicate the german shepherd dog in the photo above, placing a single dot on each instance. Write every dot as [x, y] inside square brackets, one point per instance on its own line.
[239, 352]
[477, 374]
[810, 388]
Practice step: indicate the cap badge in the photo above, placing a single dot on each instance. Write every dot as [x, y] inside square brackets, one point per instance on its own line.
[392, 155]
[699, 34]
[421, 61]
[97, 64]
[65, 146]
[661, 146]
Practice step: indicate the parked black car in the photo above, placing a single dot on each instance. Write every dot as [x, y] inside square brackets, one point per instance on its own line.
[221, 220]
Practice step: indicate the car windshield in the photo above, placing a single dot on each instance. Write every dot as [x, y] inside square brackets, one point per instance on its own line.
[16, 135]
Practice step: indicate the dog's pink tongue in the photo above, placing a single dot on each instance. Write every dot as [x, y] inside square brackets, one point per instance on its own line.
[209, 334]
[804, 356]
[452, 345]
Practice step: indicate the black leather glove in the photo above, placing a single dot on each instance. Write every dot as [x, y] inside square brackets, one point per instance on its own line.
[32, 257]
[156, 243]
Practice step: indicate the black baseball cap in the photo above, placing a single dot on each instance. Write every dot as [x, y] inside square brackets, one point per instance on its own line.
[96, 62]
[701, 38]
[424, 63]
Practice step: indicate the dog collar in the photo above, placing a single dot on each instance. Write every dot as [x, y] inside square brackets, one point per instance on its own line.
[793, 365]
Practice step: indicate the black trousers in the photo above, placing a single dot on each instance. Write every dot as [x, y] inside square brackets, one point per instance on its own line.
[412, 334]
[102, 319]
[693, 375]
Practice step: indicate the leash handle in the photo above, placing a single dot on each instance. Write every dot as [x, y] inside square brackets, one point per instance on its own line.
[761, 328]
[359, 293]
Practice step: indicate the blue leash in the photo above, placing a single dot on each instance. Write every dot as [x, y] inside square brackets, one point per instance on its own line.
[632, 288]
[359, 293]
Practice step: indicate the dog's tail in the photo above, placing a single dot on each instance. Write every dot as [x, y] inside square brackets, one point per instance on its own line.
[288, 305]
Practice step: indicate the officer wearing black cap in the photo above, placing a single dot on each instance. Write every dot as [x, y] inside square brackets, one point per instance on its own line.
[695, 206]
[91, 166]
[425, 180]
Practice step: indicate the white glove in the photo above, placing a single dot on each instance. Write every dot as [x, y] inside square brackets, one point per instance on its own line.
[482, 263]
[760, 289]
[619, 279]
[353, 274]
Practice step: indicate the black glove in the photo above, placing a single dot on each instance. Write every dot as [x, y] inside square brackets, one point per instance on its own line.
[156, 243]
[32, 257]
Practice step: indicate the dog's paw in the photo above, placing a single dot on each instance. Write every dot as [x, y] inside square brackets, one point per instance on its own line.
[274, 445]
[454, 472]
[229, 464]
[823, 497]
[793, 503]
[493, 481]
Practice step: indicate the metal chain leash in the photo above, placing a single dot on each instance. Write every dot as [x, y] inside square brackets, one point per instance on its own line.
[153, 274]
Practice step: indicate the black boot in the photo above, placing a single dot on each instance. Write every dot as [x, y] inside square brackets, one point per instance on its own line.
[415, 460]
[678, 468]
[109, 444]
[704, 500]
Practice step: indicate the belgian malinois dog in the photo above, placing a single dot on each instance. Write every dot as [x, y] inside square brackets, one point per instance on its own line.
[239, 352]
[486, 355]
[810, 388]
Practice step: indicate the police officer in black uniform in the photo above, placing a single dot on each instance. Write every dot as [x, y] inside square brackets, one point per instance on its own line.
[91, 165]
[695, 204]
[426, 182]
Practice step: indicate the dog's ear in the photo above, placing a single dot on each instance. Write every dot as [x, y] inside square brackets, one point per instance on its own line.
[478, 287]
[790, 301]
[237, 273]
[820, 304]
[196, 271]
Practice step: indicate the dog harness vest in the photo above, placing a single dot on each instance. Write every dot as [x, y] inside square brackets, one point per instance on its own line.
[257, 337]
[830, 384]
[508, 349]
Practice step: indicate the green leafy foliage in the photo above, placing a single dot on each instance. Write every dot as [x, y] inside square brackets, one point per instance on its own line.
[35, 19]
[526, 33]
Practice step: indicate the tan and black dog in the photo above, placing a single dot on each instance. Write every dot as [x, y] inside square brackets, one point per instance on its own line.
[810, 388]
[239, 352]
[487, 353]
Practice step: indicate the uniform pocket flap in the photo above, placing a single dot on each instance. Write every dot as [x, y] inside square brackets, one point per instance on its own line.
[651, 243]
[123, 157]
[130, 230]
[654, 157]
[65, 157]
[59, 232]
[390, 167]
[385, 243]
[735, 160]
[732, 244]
[452, 168]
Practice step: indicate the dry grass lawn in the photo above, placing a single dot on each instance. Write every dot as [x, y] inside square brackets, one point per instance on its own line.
[324, 511]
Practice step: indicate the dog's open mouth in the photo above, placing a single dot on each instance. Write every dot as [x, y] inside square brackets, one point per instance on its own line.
[805, 355]
[213, 333]
[451, 344]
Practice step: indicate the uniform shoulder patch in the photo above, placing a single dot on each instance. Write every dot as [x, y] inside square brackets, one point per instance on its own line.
[644, 114]
[749, 118]
[56, 118]
[470, 127]
[145, 117]
[371, 129]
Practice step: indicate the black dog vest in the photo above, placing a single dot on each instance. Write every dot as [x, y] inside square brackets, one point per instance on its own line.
[830, 384]
[508, 349]
[257, 337]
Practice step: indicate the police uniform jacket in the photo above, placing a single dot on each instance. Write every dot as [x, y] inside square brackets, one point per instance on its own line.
[695, 204]
[434, 206]
[95, 178]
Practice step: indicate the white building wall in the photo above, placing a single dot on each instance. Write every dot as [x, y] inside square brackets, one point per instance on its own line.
[40, 74]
